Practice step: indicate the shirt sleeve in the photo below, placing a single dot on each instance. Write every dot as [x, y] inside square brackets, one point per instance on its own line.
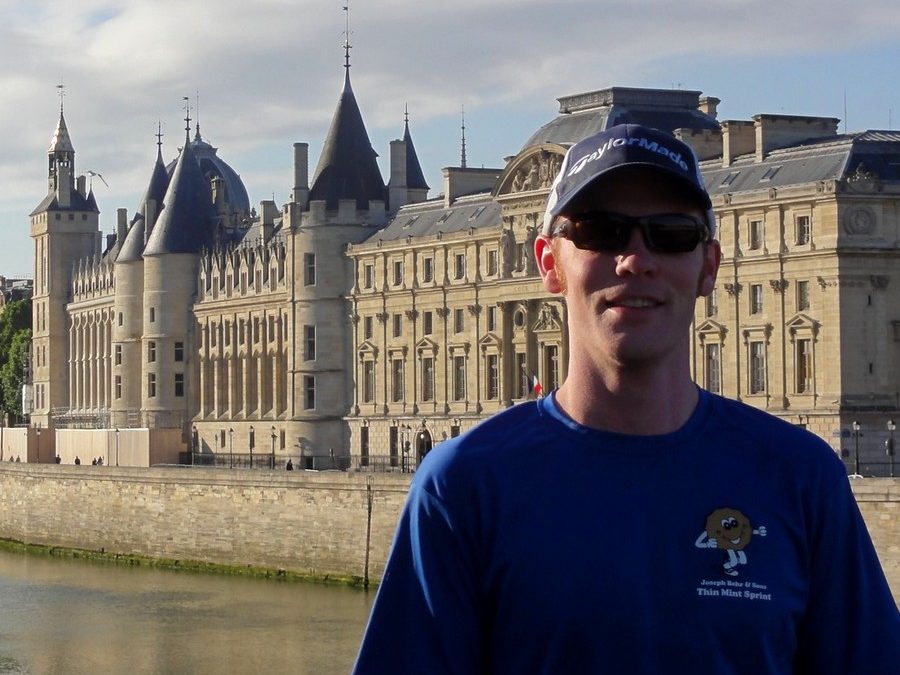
[852, 625]
[426, 617]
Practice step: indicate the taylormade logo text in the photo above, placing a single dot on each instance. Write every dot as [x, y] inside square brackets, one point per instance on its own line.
[641, 142]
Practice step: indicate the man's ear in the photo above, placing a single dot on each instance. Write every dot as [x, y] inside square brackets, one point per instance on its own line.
[546, 261]
[712, 258]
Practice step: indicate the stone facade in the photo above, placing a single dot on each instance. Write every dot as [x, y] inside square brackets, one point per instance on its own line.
[324, 524]
[373, 323]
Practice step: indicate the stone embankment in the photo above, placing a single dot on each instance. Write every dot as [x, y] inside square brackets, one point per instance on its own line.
[328, 525]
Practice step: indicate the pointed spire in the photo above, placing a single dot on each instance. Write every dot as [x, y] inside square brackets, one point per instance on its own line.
[187, 119]
[347, 46]
[347, 168]
[415, 179]
[462, 154]
[159, 137]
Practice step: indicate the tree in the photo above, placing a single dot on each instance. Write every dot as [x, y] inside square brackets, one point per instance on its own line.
[15, 347]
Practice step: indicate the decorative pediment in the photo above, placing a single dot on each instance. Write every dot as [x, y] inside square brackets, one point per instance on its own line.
[548, 320]
[426, 347]
[490, 341]
[712, 331]
[367, 350]
[802, 323]
[534, 169]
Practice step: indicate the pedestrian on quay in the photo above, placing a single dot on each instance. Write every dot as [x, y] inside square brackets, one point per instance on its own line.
[629, 521]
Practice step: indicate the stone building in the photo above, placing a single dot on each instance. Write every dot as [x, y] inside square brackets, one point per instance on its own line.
[362, 322]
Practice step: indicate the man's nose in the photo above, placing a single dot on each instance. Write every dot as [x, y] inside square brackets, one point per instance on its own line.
[636, 258]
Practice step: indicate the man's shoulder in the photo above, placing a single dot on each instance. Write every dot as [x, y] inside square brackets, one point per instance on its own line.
[489, 443]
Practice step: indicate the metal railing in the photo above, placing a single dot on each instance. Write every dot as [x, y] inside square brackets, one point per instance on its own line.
[297, 462]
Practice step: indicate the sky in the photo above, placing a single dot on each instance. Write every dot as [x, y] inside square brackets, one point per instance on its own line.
[263, 75]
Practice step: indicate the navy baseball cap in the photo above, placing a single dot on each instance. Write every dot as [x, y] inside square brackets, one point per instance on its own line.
[620, 146]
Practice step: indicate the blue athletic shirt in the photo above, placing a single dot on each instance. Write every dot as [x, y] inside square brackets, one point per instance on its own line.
[532, 544]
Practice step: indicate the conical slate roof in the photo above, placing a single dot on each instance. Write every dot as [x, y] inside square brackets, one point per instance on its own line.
[347, 168]
[61, 142]
[415, 179]
[186, 224]
[133, 247]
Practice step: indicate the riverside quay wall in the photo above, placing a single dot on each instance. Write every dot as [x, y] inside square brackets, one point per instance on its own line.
[328, 524]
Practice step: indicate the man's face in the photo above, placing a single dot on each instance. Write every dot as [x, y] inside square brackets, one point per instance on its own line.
[634, 307]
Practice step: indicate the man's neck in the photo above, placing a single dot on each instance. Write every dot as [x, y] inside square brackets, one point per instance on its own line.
[644, 403]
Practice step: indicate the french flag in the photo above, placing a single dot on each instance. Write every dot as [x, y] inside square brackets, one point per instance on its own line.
[536, 387]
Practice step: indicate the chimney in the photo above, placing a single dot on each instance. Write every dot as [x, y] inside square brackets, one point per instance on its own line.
[398, 193]
[709, 105]
[81, 185]
[780, 131]
[64, 186]
[738, 138]
[300, 193]
[121, 225]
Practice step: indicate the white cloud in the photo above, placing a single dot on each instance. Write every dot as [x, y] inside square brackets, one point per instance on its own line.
[269, 72]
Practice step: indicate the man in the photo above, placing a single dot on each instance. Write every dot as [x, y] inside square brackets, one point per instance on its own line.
[631, 522]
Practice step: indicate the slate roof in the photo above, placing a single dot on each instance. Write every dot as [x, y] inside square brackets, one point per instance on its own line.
[133, 247]
[660, 109]
[77, 202]
[186, 224]
[347, 167]
[415, 179]
[61, 141]
[213, 166]
[876, 153]
[428, 218]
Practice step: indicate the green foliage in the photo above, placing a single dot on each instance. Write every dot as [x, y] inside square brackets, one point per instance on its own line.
[15, 347]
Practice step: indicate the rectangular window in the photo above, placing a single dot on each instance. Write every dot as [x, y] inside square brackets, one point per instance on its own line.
[151, 351]
[396, 380]
[551, 365]
[368, 328]
[756, 234]
[151, 385]
[756, 298]
[121, 318]
[398, 273]
[117, 358]
[368, 275]
[368, 381]
[118, 386]
[459, 266]
[712, 304]
[427, 323]
[309, 392]
[524, 386]
[458, 321]
[493, 376]
[397, 321]
[394, 445]
[179, 351]
[802, 295]
[427, 269]
[179, 384]
[309, 269]
[804, 366]
[152, 314]
[493, 263]
[492, 318]
[802, 230]
[757, 368]
[427, 379]
[364, 446]
[713, 369]
[459, 378]
[309, 343]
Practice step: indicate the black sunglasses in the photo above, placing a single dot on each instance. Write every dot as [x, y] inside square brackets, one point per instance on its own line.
[610, 232]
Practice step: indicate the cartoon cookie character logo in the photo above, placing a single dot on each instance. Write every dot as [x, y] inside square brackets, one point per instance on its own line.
[729, 529]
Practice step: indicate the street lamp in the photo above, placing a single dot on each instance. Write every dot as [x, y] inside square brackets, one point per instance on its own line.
[855, 427]
[405, 449]
[889, 444]
[117, 446]
[38, 432]
[274, 434]
[231, 448]
[252, 442]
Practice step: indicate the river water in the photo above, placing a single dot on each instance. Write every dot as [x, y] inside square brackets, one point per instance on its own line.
[75, 617]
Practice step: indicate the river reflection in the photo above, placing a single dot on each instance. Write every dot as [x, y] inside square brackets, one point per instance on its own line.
[73, 617]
